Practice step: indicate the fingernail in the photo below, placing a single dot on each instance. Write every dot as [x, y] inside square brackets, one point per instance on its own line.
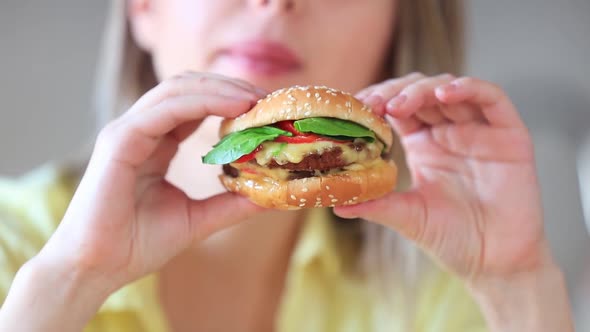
[373, 100]
[396, 102]
[261, 91]
[447, 87]
[346, 215]
[362, 95]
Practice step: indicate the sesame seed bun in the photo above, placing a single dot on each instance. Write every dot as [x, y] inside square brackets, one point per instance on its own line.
[343, 188]
[303, 102]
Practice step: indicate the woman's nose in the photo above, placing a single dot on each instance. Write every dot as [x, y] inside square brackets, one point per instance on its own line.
[284, 6]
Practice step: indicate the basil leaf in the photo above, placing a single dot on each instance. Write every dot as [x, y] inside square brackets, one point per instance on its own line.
[235, 145]
[335, 128]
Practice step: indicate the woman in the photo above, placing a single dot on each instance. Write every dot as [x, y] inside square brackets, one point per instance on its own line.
[473, 205]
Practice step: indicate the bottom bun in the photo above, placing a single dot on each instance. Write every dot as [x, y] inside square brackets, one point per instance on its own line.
[344, 188]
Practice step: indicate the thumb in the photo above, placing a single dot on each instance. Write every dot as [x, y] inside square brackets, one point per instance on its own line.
[218, 212]
[403, 212]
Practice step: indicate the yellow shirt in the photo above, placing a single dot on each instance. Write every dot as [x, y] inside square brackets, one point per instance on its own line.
[318, 295]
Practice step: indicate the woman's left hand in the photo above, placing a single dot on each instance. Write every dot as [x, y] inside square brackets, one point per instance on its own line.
[475, 201]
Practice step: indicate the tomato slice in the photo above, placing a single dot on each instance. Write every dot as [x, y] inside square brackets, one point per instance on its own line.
[288, 126]
[247, 157]
[298, 139]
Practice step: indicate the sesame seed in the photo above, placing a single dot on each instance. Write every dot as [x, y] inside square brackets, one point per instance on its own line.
[327, 101]
[302, 205]
[317, 95]
[331, 196]
[308, 113]
[308, 95]
[303, 200]
[334, 200]
[355, 198]
[327, 187]
[293, 197]
[305, 190]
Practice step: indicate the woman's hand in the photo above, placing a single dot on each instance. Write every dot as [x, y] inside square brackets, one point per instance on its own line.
[474, 203]
[475, 198]
[125, 220]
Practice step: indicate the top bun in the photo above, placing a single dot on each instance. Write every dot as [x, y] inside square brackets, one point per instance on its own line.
[299, 102]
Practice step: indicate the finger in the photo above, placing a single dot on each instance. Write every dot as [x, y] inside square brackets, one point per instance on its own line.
[403, 212]
[183, 131]
[232, 80]
[191, 84]
[417, 95]
[133, 137]
[387, 90]
[377, 94]
[376, 104]
[462, 113]
[475, 140]
[497, 108]
[159, 161]
[407, 126]
[431, 116]
[219, 212]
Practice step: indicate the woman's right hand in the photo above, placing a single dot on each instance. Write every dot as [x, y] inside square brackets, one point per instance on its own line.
[125, 220]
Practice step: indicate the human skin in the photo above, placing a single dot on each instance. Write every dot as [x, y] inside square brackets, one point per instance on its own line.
[127, 220]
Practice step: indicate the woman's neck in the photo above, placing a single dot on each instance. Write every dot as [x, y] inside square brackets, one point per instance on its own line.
[234, 280]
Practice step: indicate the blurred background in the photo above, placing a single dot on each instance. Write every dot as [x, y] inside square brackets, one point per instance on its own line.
[538, 50]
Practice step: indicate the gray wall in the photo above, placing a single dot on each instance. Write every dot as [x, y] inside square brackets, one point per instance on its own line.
[48, 51]
[539, 50]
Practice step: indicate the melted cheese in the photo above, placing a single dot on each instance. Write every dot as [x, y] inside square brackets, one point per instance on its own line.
[294, 153]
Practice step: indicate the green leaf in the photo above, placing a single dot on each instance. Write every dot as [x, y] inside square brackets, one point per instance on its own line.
[335, 128]
[235, 145]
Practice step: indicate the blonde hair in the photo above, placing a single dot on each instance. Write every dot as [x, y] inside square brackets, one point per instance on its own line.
[428, 38]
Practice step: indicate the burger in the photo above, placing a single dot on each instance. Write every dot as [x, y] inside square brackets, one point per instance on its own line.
[306, 147]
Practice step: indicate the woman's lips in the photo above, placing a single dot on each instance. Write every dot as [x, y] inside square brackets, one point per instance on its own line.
[260, 57]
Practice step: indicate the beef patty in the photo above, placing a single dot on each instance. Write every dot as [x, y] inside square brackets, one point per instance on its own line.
[321, 162]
